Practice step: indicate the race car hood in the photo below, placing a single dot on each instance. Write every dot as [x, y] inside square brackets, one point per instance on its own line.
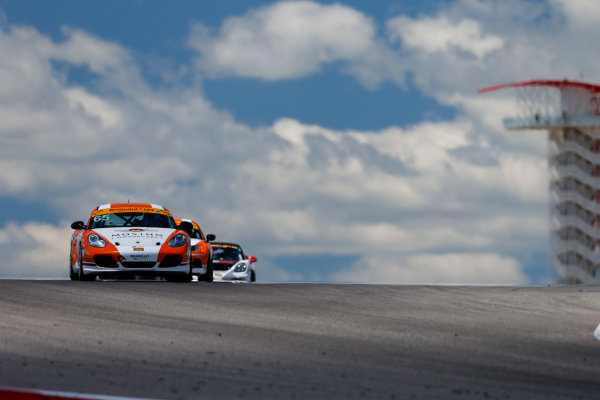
[135, 236]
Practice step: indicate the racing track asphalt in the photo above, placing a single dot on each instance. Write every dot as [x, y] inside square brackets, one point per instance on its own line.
[300, 341]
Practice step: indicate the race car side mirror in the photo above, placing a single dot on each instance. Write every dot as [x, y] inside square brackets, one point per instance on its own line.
[186, 226]
[78, 225]
[210, 237]
[253, 259]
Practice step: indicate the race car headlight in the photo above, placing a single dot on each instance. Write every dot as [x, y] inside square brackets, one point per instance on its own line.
[95, 240]
[240, 268]
[177, 240]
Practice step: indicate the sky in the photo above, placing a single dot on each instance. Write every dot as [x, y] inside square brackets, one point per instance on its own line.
[335, 141]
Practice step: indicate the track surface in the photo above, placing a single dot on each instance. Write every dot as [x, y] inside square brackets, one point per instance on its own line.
[194, 341]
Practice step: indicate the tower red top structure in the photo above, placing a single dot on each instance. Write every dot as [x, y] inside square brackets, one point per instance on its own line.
[570, 112]
[544, 82]
[551, 103]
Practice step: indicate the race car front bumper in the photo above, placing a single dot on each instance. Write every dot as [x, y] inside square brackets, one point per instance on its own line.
[152, 260]
[130, 271]
[231, 276]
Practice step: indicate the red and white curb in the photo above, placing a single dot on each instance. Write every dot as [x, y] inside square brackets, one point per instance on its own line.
[7, 393]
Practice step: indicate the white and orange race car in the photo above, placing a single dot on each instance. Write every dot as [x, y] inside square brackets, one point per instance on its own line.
[131, 240]
[202, 264]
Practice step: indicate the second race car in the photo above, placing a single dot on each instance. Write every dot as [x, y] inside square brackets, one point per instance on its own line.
[202, 264]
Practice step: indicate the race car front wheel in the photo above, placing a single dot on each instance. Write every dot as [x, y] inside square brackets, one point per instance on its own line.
[80, 274]
[72, 275]
[208, 276]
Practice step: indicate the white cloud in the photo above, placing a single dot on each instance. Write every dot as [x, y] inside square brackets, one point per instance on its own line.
[108, 60]
[330, 191]
[284, 40]
[579, 13]
[450, 269]
[440, 34]
[100, 56]
[269, 272]
[22, 76]
[35, 250]
[480, 43]
[467, 44]
[94, 106]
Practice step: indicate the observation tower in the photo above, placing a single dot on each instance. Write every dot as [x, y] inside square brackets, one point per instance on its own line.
[570, 112]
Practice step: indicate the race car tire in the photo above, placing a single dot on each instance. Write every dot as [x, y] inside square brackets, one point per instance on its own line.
[81, 275]
[72, 275]
[252, 276]
[208, 276]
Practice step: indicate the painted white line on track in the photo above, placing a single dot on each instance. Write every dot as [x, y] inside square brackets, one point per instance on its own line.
[9, 393]
[597, 332]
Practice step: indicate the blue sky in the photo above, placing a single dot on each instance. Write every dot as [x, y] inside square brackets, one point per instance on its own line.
[336, 141]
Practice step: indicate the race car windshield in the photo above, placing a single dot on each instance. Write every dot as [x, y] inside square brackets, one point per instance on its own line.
[227, 254]
[129, 219]
[195, 234]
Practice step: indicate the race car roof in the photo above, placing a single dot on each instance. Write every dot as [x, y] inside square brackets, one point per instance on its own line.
[194, 223]
[130, 207]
